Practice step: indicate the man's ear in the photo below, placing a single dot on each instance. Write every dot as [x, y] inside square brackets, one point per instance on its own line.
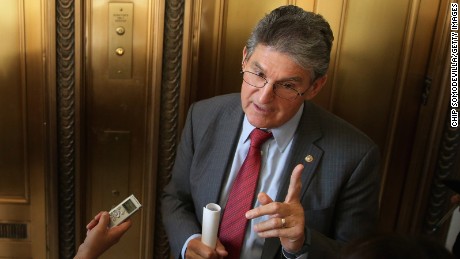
[315, 88]
[245, 52]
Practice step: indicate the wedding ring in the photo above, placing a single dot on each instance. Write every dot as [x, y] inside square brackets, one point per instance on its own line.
[283, 223]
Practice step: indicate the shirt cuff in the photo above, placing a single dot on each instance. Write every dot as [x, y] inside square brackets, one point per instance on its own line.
[184, 248]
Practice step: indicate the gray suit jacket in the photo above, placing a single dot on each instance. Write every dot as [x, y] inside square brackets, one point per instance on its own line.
[340, 187]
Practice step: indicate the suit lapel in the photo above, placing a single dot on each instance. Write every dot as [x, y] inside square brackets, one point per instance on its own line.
[219, 152]
[303, 151]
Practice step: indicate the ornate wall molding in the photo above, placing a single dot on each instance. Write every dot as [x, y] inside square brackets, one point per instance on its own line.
[65, 78]
[169, 110]
[447, 166]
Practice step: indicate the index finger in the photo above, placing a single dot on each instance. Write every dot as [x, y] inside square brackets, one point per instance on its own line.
[94, 221]
[295, 185]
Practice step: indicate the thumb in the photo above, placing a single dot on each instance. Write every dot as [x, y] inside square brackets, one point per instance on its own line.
[104, 220]
[220, 249]
[263, 198]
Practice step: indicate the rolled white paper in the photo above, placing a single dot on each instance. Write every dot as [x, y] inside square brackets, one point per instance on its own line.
[211, 218]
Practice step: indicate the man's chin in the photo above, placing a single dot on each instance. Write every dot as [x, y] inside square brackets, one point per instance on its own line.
[258, 121]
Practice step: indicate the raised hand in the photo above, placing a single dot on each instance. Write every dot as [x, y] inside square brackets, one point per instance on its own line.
[286, 219]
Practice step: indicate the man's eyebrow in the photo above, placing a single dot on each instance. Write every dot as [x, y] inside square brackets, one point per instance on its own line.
[257, 65]
[293, 79]
[296, 79]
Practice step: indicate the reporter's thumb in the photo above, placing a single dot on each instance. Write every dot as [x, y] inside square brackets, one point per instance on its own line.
[105, 219]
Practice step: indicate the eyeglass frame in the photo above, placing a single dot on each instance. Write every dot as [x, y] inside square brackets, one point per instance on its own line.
[275, 85]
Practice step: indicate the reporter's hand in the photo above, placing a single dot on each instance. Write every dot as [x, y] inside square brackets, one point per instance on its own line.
[99, 237]
[197, 249]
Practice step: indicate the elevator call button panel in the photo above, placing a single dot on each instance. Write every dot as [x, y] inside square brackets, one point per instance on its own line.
[120, 35]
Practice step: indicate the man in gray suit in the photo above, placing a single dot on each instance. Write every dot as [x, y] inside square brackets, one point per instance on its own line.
[318, 184]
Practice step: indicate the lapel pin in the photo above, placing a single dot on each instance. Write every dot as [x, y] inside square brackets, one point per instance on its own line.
[309, 158]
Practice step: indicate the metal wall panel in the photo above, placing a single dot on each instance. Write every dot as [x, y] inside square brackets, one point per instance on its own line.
[120, 114]
[13, 143]
[22, 129]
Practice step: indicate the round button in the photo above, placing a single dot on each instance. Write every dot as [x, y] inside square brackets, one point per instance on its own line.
[120, 30]
[120, 51]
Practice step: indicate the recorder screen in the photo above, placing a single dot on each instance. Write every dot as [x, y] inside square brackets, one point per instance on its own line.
[129, 206]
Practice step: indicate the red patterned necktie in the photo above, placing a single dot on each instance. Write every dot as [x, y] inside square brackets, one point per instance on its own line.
[234, 222]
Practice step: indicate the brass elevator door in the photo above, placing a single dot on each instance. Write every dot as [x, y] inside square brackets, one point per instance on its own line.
[23, 125]
[119, 134]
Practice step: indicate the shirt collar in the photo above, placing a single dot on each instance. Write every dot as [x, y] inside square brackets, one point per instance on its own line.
[282, 135]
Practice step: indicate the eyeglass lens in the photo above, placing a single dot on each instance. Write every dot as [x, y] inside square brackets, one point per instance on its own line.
[280, 90]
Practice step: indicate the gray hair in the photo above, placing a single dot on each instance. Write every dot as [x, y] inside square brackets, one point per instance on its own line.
[305, 36]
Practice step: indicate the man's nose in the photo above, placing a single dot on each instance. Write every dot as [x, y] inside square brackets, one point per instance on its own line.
[267, 93]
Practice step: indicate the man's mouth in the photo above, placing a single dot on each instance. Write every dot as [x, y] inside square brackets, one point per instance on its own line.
[261, 109]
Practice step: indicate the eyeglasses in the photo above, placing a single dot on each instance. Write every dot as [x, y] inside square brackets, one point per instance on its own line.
[281, 90]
